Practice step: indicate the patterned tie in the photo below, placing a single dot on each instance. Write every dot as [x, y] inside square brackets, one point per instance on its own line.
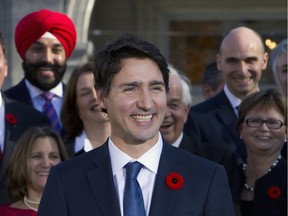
[133, 199]
[50, 112]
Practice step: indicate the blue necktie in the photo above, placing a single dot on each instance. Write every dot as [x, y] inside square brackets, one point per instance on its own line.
[50, 112]
[133, 199]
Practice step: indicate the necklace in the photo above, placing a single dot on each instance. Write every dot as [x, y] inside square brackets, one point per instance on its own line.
[251, 189]
[27, 201]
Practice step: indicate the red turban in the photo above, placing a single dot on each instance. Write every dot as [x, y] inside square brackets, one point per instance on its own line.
[34, 25]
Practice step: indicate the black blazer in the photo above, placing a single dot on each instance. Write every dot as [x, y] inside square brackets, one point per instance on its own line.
[213, 121]
[84, 185]
[263, 203]
[26, 117]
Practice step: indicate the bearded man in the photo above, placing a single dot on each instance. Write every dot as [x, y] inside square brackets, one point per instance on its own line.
[44, 40]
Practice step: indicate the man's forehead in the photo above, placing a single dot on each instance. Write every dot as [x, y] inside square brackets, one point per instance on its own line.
[47, 40]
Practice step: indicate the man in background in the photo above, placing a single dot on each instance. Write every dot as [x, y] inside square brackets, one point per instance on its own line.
[179, 99]
[212, 82]
[44, 40]
[241, 59]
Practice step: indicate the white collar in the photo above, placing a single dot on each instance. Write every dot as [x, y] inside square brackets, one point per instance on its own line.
[149, 159]
[35, 92]
[178, 140]
[234, 101]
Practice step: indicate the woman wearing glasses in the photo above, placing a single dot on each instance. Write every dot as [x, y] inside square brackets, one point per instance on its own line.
[262, 124]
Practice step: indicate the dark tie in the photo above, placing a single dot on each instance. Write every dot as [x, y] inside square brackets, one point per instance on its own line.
[50, 112]
[133, 199]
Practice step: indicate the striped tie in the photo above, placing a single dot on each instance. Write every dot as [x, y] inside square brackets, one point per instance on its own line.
[50, 112]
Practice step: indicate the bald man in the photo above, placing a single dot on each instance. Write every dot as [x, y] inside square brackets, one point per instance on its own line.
[44, 39]
[241, 58]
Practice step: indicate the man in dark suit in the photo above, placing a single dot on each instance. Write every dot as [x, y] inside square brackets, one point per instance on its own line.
[131, 80]
[44, 40]
[15, 119]
[179, 99]
[242, 58]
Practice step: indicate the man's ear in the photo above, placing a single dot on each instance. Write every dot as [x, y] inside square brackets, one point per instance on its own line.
[186, 110]
[206, 91]
[101, 99]
[265, 61]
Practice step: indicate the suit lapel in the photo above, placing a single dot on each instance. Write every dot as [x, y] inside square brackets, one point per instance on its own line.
[226, 114]
[102, 185]
[164, 197]
[10, 131]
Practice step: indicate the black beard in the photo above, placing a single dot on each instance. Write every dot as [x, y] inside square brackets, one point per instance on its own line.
[30, 73]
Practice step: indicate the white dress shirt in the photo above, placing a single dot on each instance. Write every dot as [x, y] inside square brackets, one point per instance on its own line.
[39, 102]
[234, 101]
[81, 142]
[178, 141]
[147, 175]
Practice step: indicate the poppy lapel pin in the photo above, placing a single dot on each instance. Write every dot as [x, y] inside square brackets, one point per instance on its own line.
[11, 118]
[174, 181]
[274, 192]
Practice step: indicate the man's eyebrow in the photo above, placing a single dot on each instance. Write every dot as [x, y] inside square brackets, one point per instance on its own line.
[134, 83]
[156, 82]
[40, 43]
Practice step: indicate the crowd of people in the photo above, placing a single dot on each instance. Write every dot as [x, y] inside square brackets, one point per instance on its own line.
[123, 138]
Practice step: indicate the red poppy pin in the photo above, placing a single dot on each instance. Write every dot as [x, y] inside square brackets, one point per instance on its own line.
[11, 119]
[174, 181]
[274, 192]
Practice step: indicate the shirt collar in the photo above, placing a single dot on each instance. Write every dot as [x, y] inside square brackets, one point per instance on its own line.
[232, 98]
[149, 159]
[178, 140]
[1, 99]
[35, 92]
[81, 142]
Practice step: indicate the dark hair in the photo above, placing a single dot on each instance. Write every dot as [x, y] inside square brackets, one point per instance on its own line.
[212, 76]
[17, 168]
[264, 99]
[3, 44]
[108, 63]
[70, 118]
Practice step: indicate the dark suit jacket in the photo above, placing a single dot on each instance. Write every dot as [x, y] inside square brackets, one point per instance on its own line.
[26, 117]
[84, 185]
[21, 93]
[213, 121]
[219, 155]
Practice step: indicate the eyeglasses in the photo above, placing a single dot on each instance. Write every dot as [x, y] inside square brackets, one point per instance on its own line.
[271, 123]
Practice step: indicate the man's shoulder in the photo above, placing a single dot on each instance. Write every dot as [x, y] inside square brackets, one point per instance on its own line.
[86, 161]
[217, 102]
[189, 159]
[18, 92]
[15, 88]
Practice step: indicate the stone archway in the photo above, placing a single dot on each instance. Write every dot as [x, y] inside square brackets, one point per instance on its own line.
[80, 12]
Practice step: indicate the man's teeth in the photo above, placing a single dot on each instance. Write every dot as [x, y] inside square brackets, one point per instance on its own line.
[142, 117]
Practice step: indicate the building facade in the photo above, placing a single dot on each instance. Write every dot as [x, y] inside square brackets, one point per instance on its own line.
[187, 32]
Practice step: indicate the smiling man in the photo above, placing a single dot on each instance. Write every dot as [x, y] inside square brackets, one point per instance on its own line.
[44, 40]
[135, 172]
[241, 58]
